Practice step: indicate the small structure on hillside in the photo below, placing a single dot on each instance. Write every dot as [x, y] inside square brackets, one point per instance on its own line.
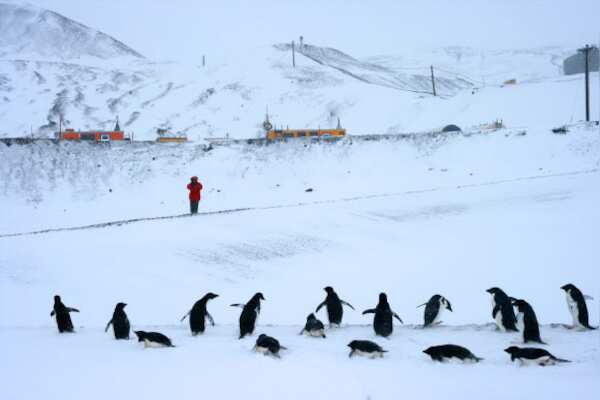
[451, 128]
[92, 136]
[165, 136]
[576, 63]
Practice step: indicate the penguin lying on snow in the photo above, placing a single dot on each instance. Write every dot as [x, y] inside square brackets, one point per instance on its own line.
[335, 311]
[528, 322]
[577, 306]
[153, 339]
[448, 352]
[268, 345]
[63, 319]
[313, 327]
[120, 322]
[532, 355]
[434, 308]
[365, 348]
[502, 310]
[198, 314]
[249, 314]
[383, 322]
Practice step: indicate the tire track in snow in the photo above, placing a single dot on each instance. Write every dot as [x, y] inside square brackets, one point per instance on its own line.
[302, 204]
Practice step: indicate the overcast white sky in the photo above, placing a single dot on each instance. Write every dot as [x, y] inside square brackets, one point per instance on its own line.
[183, 30]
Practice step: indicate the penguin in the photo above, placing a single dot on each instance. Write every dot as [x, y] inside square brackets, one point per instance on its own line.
[198, 314]
[313, 327]
[448, 352]
[532, 355]
[268, 345]
[527, 321]
[335, 312]
[383, 322]
[153, 339]
[577, 306]
[502, 310]
[120, 322]
[365, 348]
[434, 308]
[63, 319]
[249, 314]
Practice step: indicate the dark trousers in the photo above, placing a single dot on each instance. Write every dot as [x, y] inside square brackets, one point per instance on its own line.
[194, 207]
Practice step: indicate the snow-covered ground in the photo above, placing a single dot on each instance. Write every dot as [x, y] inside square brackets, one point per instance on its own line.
[452, 214]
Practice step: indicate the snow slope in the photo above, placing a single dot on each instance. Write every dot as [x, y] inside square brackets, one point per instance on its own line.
[27, 31]
[528, 236]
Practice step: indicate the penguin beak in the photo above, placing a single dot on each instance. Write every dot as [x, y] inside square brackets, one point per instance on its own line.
[450, 307]
[564, 287]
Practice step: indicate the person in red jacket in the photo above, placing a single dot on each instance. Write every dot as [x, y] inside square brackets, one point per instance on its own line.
[194, 187]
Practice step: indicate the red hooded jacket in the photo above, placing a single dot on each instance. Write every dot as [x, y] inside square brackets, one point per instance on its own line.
[194, 188]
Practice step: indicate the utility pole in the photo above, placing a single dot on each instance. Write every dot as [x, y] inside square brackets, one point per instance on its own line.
[586, 50]
[433, 81]
[293, 54]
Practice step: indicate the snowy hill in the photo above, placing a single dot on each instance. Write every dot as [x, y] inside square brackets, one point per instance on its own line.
[28, 31]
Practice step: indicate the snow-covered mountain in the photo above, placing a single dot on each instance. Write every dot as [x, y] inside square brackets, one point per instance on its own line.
[52, 67]
[28, 31]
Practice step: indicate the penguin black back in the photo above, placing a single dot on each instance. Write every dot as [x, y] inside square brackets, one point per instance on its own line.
[449, 351]
[249, 314]
[531, 328]
[383, 319]
[120, 322]
[153, 339]
[199, 313]
[502, 311]
[335, 311]
[63, 319]
[533, 355]
[313, 327]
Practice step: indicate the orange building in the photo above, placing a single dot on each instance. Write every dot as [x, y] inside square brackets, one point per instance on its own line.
[93, 136]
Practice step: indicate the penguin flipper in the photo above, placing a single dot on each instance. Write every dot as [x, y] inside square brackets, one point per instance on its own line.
[321, 305]
[369, 311]
[71, 309]
[107, 325]
[347, 304]
[52, 313]
[398, 318]
[185, 316]
[421, 305]
[210, 318]
[237, 305]
[588, 297]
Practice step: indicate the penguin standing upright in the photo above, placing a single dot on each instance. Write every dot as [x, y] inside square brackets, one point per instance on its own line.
[528, 321]
[577, 306]
[63, 319]
[383, 322]
[249, 314]
[120, 322]
[434, 309]
[502, 310]
[335, 311]
[198, 314]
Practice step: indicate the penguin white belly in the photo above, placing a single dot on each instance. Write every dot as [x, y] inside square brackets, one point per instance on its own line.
[374, 354]
[520, 322]
[148, 343]
[436, 320]
[261, 350]
[574, 310]
[315, 333]
[545, 360]
[498, 319]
